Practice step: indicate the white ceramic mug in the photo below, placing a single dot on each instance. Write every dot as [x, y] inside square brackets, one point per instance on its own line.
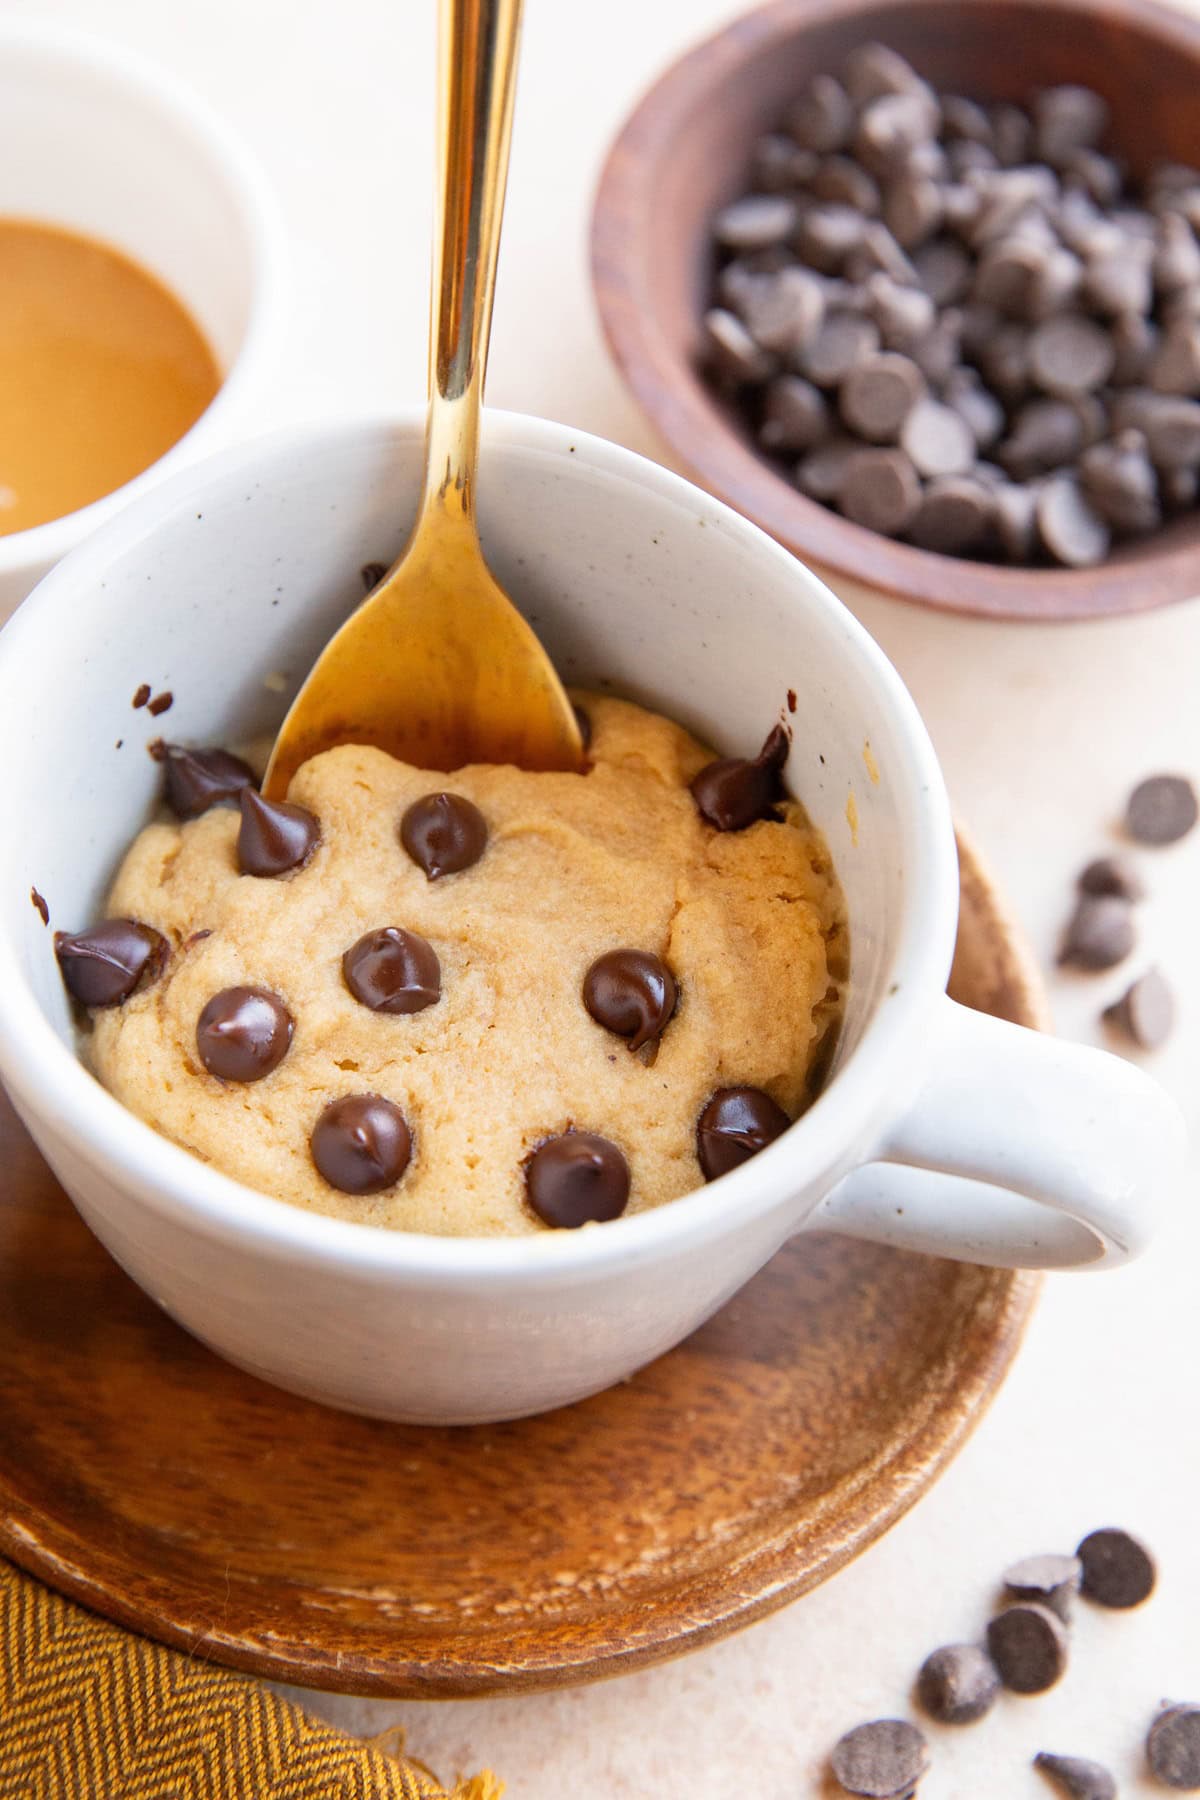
[99, 140]
[940, 1129]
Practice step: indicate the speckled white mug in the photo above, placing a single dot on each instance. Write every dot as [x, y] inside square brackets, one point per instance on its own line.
[940, 1130]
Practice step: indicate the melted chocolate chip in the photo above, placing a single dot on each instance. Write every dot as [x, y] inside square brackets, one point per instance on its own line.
[584, 722]
[161, 703]
[105, 965]
[577, 1179]
[198, 779]
[444, 833]
[393, 971]
[38, 902]
[361, 1144]
[141, 695]
[631, 993]
[734, 792]
[372, 574]
[274, 838]
[736, 1124]
[243, 1033]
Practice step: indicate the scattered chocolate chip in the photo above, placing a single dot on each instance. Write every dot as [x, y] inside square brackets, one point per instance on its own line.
[1100, 933]
[1115, 875]
[1117, 1570]
[631, 993]
[958, 1684]
[1161, 810]
[584, 721]
[372, 574]
[274, 837]
[735, 1125]
[791, 700]
[104, 966]
[1173, 1747]
[142, 695]
[198, 779]
[881, 1760]
[361, 1144]
[1145, 1013]
[443, 834]
[1050, 1580]
[243, 1033]
[577, 1179]
[39, 905]
[735, 792]
[393, 971]
[1076, 1776]
[161, 703]
[1028, 1644]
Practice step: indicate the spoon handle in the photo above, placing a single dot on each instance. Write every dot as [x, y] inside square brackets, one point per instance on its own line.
[477, 61]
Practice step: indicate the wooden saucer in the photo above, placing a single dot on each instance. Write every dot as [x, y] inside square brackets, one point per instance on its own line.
[146, 1478]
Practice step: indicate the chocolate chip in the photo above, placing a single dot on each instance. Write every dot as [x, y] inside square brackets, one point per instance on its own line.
[361, 1144]
[1076, 1776]
[577, 1179]
[735, 1125]
[938, 439]
[393, 971]
[822, 472]
[1177, 258]
[1050, 1580]
[1115, 875]
[631, 993]
[1161, 810]
[779, 164]
[756, 222]
[874, 69]
[1070, 355]
[795, 415]
[1045, 433]
[372, 573]
[1118, 478]
[913, 210]
[1118, 284]
[1028, 1644]
[1067, 119]
[1145, 1013]
[846, 183]
[734, 792]
[1175, 366]
[944, 270]
[783, 312]
[1071, 529]
[963, 118]
[826, 235]
[1173, 1747]
[880, 490]
[980, 411]
[953, 516]
[888, 128]
[274, 837]
[243, 1033]
[38, 902]
[1014, 517]
[823, 118]
[444, 834]
[104, 966]
[904, 315]
[1117, 1570]
[731, 351]
[141, 695]
[584, 721]
[881, 1760]
[878, 394]
[1171, 426]
[958, 1684]
[1100, 933]
[841, 343]
[198, 779]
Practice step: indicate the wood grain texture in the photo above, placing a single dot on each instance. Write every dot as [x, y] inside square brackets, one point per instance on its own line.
[685, 152]
[169, 1491]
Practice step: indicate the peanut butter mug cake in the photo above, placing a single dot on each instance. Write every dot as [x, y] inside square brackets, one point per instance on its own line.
[479, 1004]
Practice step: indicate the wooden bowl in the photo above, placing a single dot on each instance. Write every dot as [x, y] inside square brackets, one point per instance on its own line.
[685, 152]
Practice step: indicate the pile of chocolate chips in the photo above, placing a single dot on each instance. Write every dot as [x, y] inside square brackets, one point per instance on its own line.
[1026, 1652]
[964, 325]
[363, 1143]
[1100, 934]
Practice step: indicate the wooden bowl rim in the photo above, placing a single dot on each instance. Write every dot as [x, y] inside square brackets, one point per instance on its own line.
[690, 420]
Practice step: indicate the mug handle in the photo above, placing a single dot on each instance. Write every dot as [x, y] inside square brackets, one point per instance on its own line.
[1019, 1151]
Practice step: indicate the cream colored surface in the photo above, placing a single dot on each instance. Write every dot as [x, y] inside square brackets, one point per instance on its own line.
[575, 865]
[1041, 731]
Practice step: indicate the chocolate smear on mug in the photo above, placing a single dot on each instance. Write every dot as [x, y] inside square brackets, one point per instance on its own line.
[161, 703]
[735, 792]
[198, 779]
[393, 971]
[361, 1144]
[243, 1033]
[141, 695]
[632, 993]
[37, 901]
[372, 574]
[577, 1179]
[274, 837]
[106, 964]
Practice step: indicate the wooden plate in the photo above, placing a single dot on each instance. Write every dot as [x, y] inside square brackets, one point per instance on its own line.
[143, 1476]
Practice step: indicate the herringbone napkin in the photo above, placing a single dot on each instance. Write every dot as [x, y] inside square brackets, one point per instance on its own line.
[90, 1712]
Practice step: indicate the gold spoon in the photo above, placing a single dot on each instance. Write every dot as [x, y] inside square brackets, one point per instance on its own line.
[436, 665]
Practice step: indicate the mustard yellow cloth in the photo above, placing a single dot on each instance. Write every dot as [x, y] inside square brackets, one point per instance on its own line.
[90, 1712]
